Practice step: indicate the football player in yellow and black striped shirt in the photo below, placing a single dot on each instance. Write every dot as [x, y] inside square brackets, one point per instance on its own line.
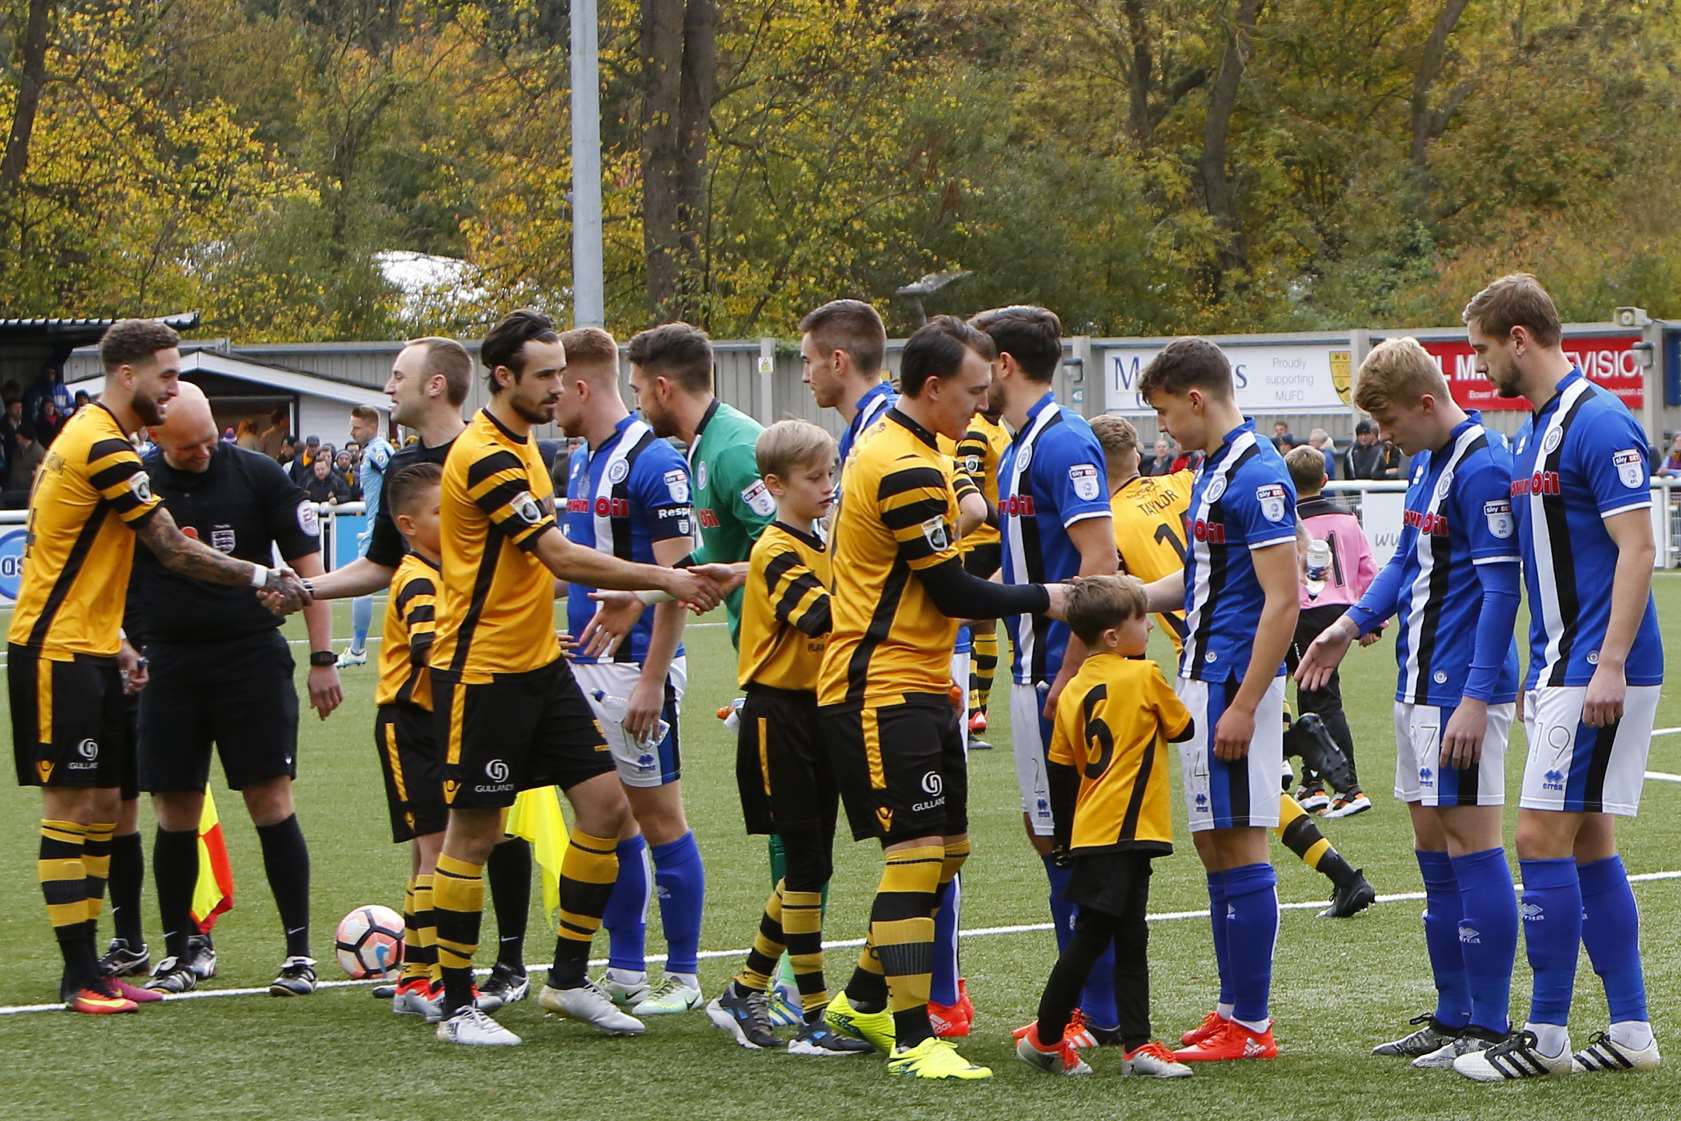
[978, 454]
[67, 660]
[883, 689]
[787, 784]
[509, 715]
[1109, 797]
[404, 737]
[1149, 516]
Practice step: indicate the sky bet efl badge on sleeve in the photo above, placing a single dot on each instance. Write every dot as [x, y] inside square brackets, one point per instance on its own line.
[1630, 467]
[1085, 480]
[1271, 497]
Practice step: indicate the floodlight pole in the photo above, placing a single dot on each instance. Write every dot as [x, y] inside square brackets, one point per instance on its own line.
[589, 302]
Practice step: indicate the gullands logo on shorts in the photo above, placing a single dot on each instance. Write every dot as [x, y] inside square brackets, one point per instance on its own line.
[497, 772]
[89, 752]
[934, 786]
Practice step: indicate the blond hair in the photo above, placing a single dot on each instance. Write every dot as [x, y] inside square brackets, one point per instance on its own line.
[789, 444]
[1099, 602]
[1397, 373]
[1115, 433]
[1307, 467]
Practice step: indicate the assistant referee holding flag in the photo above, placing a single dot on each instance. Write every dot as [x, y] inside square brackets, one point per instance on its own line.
[222, 672]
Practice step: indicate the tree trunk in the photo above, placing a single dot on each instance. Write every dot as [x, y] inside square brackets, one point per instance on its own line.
[1428, 124]
[1218, 194]
[679, 79]
[1139, 73]
[32, 71]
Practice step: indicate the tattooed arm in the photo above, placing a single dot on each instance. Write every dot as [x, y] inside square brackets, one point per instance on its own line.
[198, 561]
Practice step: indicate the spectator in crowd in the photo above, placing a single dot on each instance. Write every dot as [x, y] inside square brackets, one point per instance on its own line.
[304, 463]
[9, 425]
[1370, 458]
[272, 438]
[52, 419]
[322, 484]
[344, 466]
[1161, 462]
[49, 386]
[1320, 441]
[1184, 459]
[245, 435]
[26, 460]
[1671, 466]
[82, 401]
[288, 452]
[1281, 438]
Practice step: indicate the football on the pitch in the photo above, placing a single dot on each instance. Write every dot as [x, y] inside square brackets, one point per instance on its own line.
[370, 942]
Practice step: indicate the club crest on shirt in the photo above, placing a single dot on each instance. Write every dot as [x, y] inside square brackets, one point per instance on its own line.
[140, 484]
[677, 485]
[1499, 515]
[618, 471]
[1271, 497]
[526, 507]
[1444, 485]
[1554, 437]
[1630, 469]
[700, 475]
[1024, 459]
[1216, 488]
[1084, 478]
[972, 464]
[758, 499]
[934, 531]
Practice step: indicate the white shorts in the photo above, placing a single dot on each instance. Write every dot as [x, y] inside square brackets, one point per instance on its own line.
[960, 675]
[1419, 774]
[1576, 769]
[1241, 793]
[636, 767]
[1030, 735]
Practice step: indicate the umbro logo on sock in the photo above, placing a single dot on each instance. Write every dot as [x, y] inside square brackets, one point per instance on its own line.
[1531, 912]
[1470, 934]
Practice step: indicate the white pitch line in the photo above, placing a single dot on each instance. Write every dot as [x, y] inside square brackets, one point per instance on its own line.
[840, 944]
[1663, 776]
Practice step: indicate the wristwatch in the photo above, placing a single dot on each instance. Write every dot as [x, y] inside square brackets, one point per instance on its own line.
[323, 658]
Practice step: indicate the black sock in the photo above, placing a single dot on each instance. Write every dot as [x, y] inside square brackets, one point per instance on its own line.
[286, 860]
[509, 874]
[175, 867]
[128, 874]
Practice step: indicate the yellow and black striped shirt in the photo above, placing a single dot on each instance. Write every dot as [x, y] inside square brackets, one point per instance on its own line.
[89, 495]
[785, 610]
[495, 609]
[898, 515]
[978, 454]
[406, 643]
[1149, 517]
[1113, 722]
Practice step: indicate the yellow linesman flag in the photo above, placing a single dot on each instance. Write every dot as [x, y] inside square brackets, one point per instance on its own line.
[213, 893]
[536, 817]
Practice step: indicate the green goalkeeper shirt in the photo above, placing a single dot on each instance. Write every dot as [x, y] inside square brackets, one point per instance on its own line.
[731, 503]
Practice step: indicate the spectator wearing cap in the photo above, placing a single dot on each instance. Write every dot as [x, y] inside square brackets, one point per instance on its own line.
[305, 461]
[1370, 458]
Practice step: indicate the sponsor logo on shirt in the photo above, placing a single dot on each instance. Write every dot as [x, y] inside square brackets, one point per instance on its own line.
[708, 518]
[1433, 525]
[1214, 533]
[601, 507]
[1542, 482]
[1017, 506]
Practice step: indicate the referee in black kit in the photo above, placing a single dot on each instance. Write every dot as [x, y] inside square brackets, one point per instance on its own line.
[221, 671]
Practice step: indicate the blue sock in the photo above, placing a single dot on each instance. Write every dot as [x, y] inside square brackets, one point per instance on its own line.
[361, 618]
[680, 880]
[1488, 935]
[949, 900]
[1611, 932]
[1062, 911]
[1217, 903]
[1552, 935]
[1252, 932]
[1441, 938]
[626, 917]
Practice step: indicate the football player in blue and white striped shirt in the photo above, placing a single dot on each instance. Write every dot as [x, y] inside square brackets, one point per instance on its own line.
[1581, 504]
[1240, 592]
[1453, 587]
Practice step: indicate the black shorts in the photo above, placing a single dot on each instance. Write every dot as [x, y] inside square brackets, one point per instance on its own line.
[130, 784]
[69, 723]
[900, 767]
[406, 740]
[781, 764]
[235, 693]
[1116, 881]
[516, 732]
[984, 560]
